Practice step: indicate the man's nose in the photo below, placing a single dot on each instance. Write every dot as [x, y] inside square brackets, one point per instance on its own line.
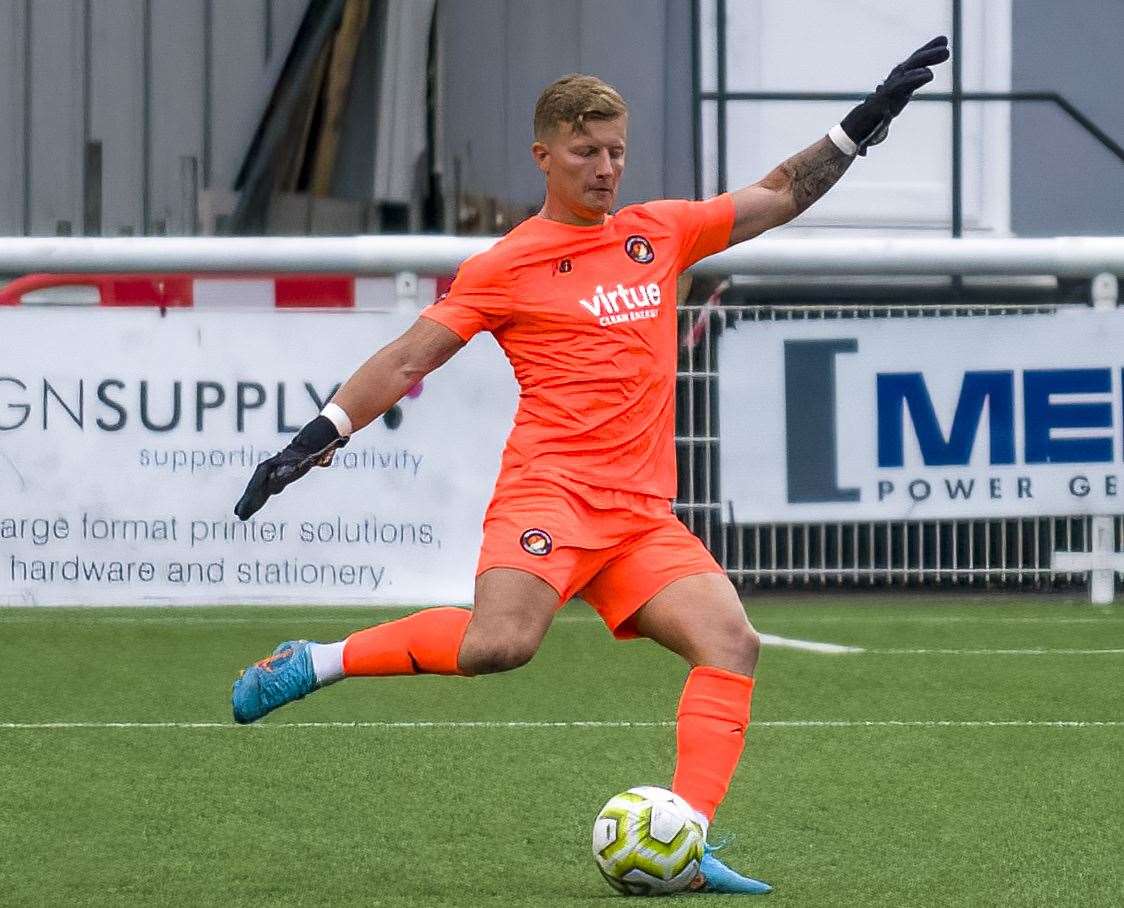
[604, 163]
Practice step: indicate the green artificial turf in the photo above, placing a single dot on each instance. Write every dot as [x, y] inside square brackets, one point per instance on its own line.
[500, 814]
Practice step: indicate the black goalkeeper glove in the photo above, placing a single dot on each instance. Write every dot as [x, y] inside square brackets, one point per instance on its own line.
[868, 123]
[314, 445]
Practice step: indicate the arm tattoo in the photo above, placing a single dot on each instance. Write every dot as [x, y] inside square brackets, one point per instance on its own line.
[813, 171]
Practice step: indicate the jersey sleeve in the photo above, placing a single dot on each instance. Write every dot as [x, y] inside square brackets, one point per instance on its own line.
[704, 227]
[477, 300]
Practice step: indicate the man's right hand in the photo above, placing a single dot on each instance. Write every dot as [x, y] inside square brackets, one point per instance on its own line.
[314, 445]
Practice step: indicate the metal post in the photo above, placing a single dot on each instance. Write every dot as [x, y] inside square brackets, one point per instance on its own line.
[720, 73]
[957, 104]
[208, 89]
[406, 290]
[696, 89]
[1102, 580]
[188, 221]
[268, 17]
[28, 25]
[91, 189]
[145, 226]
[1105, 291]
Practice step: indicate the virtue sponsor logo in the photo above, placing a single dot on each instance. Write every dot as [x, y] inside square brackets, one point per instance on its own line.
[623, 304]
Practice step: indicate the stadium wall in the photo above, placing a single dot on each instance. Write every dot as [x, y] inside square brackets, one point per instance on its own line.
[158, 82]
[499, 54]
[152, 81]
[1073, 49]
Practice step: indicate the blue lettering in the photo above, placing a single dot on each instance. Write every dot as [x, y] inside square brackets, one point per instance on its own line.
[896, 388]
[1042, 416]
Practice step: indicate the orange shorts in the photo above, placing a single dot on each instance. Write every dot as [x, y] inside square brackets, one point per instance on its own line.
[616, 550]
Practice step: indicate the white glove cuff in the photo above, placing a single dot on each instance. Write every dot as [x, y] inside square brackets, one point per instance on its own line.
[842, 141]
[339, 418]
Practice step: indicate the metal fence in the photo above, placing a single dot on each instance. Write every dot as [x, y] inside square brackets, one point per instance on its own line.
[1011, 553]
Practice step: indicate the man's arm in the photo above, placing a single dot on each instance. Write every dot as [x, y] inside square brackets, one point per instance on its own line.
[788, 189]
[793, 186]
[372, 390]
[380, 382]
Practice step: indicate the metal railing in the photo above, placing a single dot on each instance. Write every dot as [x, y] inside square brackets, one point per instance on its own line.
[981, 552]
[956, 98]
[1080, 257]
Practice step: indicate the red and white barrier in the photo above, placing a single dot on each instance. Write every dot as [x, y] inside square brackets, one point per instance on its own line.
[282, 291]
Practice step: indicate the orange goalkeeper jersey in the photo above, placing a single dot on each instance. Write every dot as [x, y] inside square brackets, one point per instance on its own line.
[586, 316]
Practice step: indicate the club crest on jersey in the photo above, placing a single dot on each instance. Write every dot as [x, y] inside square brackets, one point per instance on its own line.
[639, 249]
[536, 542]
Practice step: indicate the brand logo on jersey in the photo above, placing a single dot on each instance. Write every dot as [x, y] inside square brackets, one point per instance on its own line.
[639, 249]
[623, 304]
[536, 542]
[564, 266]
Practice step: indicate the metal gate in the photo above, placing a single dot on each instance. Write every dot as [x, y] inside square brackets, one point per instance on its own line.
[1013, 553]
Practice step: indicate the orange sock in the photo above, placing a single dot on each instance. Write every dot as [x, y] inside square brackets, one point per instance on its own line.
[426, 642]
[710, 731]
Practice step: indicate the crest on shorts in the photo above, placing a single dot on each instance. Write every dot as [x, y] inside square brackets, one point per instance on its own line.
[536, 542]
[639, 249]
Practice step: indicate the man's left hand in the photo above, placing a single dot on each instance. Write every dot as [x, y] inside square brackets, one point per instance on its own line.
[868, 123]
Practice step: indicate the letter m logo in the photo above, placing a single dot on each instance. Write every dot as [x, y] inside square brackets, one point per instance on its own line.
[901, 391]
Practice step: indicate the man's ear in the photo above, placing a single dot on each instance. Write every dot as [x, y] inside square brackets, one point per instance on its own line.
[541, 153]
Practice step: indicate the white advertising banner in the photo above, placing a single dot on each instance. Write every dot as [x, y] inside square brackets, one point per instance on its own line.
[126, 437]
[922, 418]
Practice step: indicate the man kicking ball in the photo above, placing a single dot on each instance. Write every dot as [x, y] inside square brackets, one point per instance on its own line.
[582, 301]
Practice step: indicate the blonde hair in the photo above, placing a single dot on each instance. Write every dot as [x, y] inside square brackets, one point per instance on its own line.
[573, 99]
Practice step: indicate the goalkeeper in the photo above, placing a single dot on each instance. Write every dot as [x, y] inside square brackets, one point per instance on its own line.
[582, 301]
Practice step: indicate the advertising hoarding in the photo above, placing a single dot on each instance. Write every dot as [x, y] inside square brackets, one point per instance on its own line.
[127, 435]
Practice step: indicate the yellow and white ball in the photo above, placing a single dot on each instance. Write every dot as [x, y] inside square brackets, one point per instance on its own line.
[648, 841]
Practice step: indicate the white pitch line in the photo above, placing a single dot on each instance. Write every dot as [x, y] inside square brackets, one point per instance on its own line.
[941, 723]
[903, 617]
[994, 652]
[795, 723]
[810, 646]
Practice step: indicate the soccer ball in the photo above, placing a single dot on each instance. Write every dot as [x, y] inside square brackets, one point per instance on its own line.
[646, 841]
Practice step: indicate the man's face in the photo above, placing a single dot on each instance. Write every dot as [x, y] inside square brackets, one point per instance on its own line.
[583, 169]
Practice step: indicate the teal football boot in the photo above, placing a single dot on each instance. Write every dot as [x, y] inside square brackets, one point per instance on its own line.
[284, 676]
[717, 877]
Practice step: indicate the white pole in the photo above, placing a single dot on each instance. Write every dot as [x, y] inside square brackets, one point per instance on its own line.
[325, 255]
[1102, 580]
[1064, 256]
[1105, 291]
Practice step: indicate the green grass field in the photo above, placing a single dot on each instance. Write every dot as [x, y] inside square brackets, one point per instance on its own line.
[905, 784]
